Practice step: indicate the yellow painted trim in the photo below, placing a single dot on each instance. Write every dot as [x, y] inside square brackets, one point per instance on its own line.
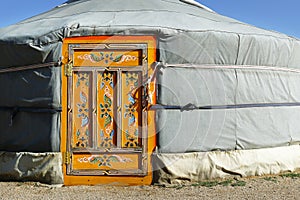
[114, 180]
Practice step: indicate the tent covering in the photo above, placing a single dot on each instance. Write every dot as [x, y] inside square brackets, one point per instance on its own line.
[223, 84]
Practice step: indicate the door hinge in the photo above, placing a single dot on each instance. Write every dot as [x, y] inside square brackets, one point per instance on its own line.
[69, 68]
[66, 158]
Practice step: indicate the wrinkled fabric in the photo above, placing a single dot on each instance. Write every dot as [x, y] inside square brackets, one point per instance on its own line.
[38, 88]
[26, 166]
[183, 168]
[30, 131]
[30, 108]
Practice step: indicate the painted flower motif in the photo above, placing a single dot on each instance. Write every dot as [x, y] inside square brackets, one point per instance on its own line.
[81, 108]
[129, 110]
[82, 138]
[103, 160]
[107, 142]
[132, 139]
[132, 77]
[82, 113]
[96, 58]
[107, 77]
[108, 58]
[82, 142]
[105, 110]
[82, 77]
[131, 142]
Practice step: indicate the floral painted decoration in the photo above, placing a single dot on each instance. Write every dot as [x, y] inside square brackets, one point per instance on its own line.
[105, 160]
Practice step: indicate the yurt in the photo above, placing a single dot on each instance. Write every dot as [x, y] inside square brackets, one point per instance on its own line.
[135, 92]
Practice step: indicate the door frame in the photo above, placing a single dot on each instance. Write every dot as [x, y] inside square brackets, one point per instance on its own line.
[140, 177]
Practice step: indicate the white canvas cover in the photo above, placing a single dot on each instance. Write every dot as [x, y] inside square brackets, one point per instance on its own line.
[185, 168]
[27, 166]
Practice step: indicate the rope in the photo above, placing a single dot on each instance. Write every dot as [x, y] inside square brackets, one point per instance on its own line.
[15, 69]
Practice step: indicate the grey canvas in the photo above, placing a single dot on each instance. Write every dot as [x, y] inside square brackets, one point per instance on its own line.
[227, 129]
[186, 35]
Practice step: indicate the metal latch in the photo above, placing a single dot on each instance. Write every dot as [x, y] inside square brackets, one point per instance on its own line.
[107, 172]
[69, 68]
[67, 158]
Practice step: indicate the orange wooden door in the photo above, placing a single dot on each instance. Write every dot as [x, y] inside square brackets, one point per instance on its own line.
[107, 129]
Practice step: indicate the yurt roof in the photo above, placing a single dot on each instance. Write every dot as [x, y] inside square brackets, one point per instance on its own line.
[157, 15]
[163, 18]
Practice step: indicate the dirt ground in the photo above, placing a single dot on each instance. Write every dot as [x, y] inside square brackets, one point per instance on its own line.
[276, 187]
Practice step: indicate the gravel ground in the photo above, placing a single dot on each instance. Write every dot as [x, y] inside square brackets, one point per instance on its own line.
[275, 187]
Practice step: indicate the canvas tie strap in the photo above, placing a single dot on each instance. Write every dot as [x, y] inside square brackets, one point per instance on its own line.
[148, 87]
[22, 68]
[254, 67]
[215, 107]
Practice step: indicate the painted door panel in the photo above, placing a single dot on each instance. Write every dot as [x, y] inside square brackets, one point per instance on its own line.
[107, 135]
[105, 116]
[106, 122]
